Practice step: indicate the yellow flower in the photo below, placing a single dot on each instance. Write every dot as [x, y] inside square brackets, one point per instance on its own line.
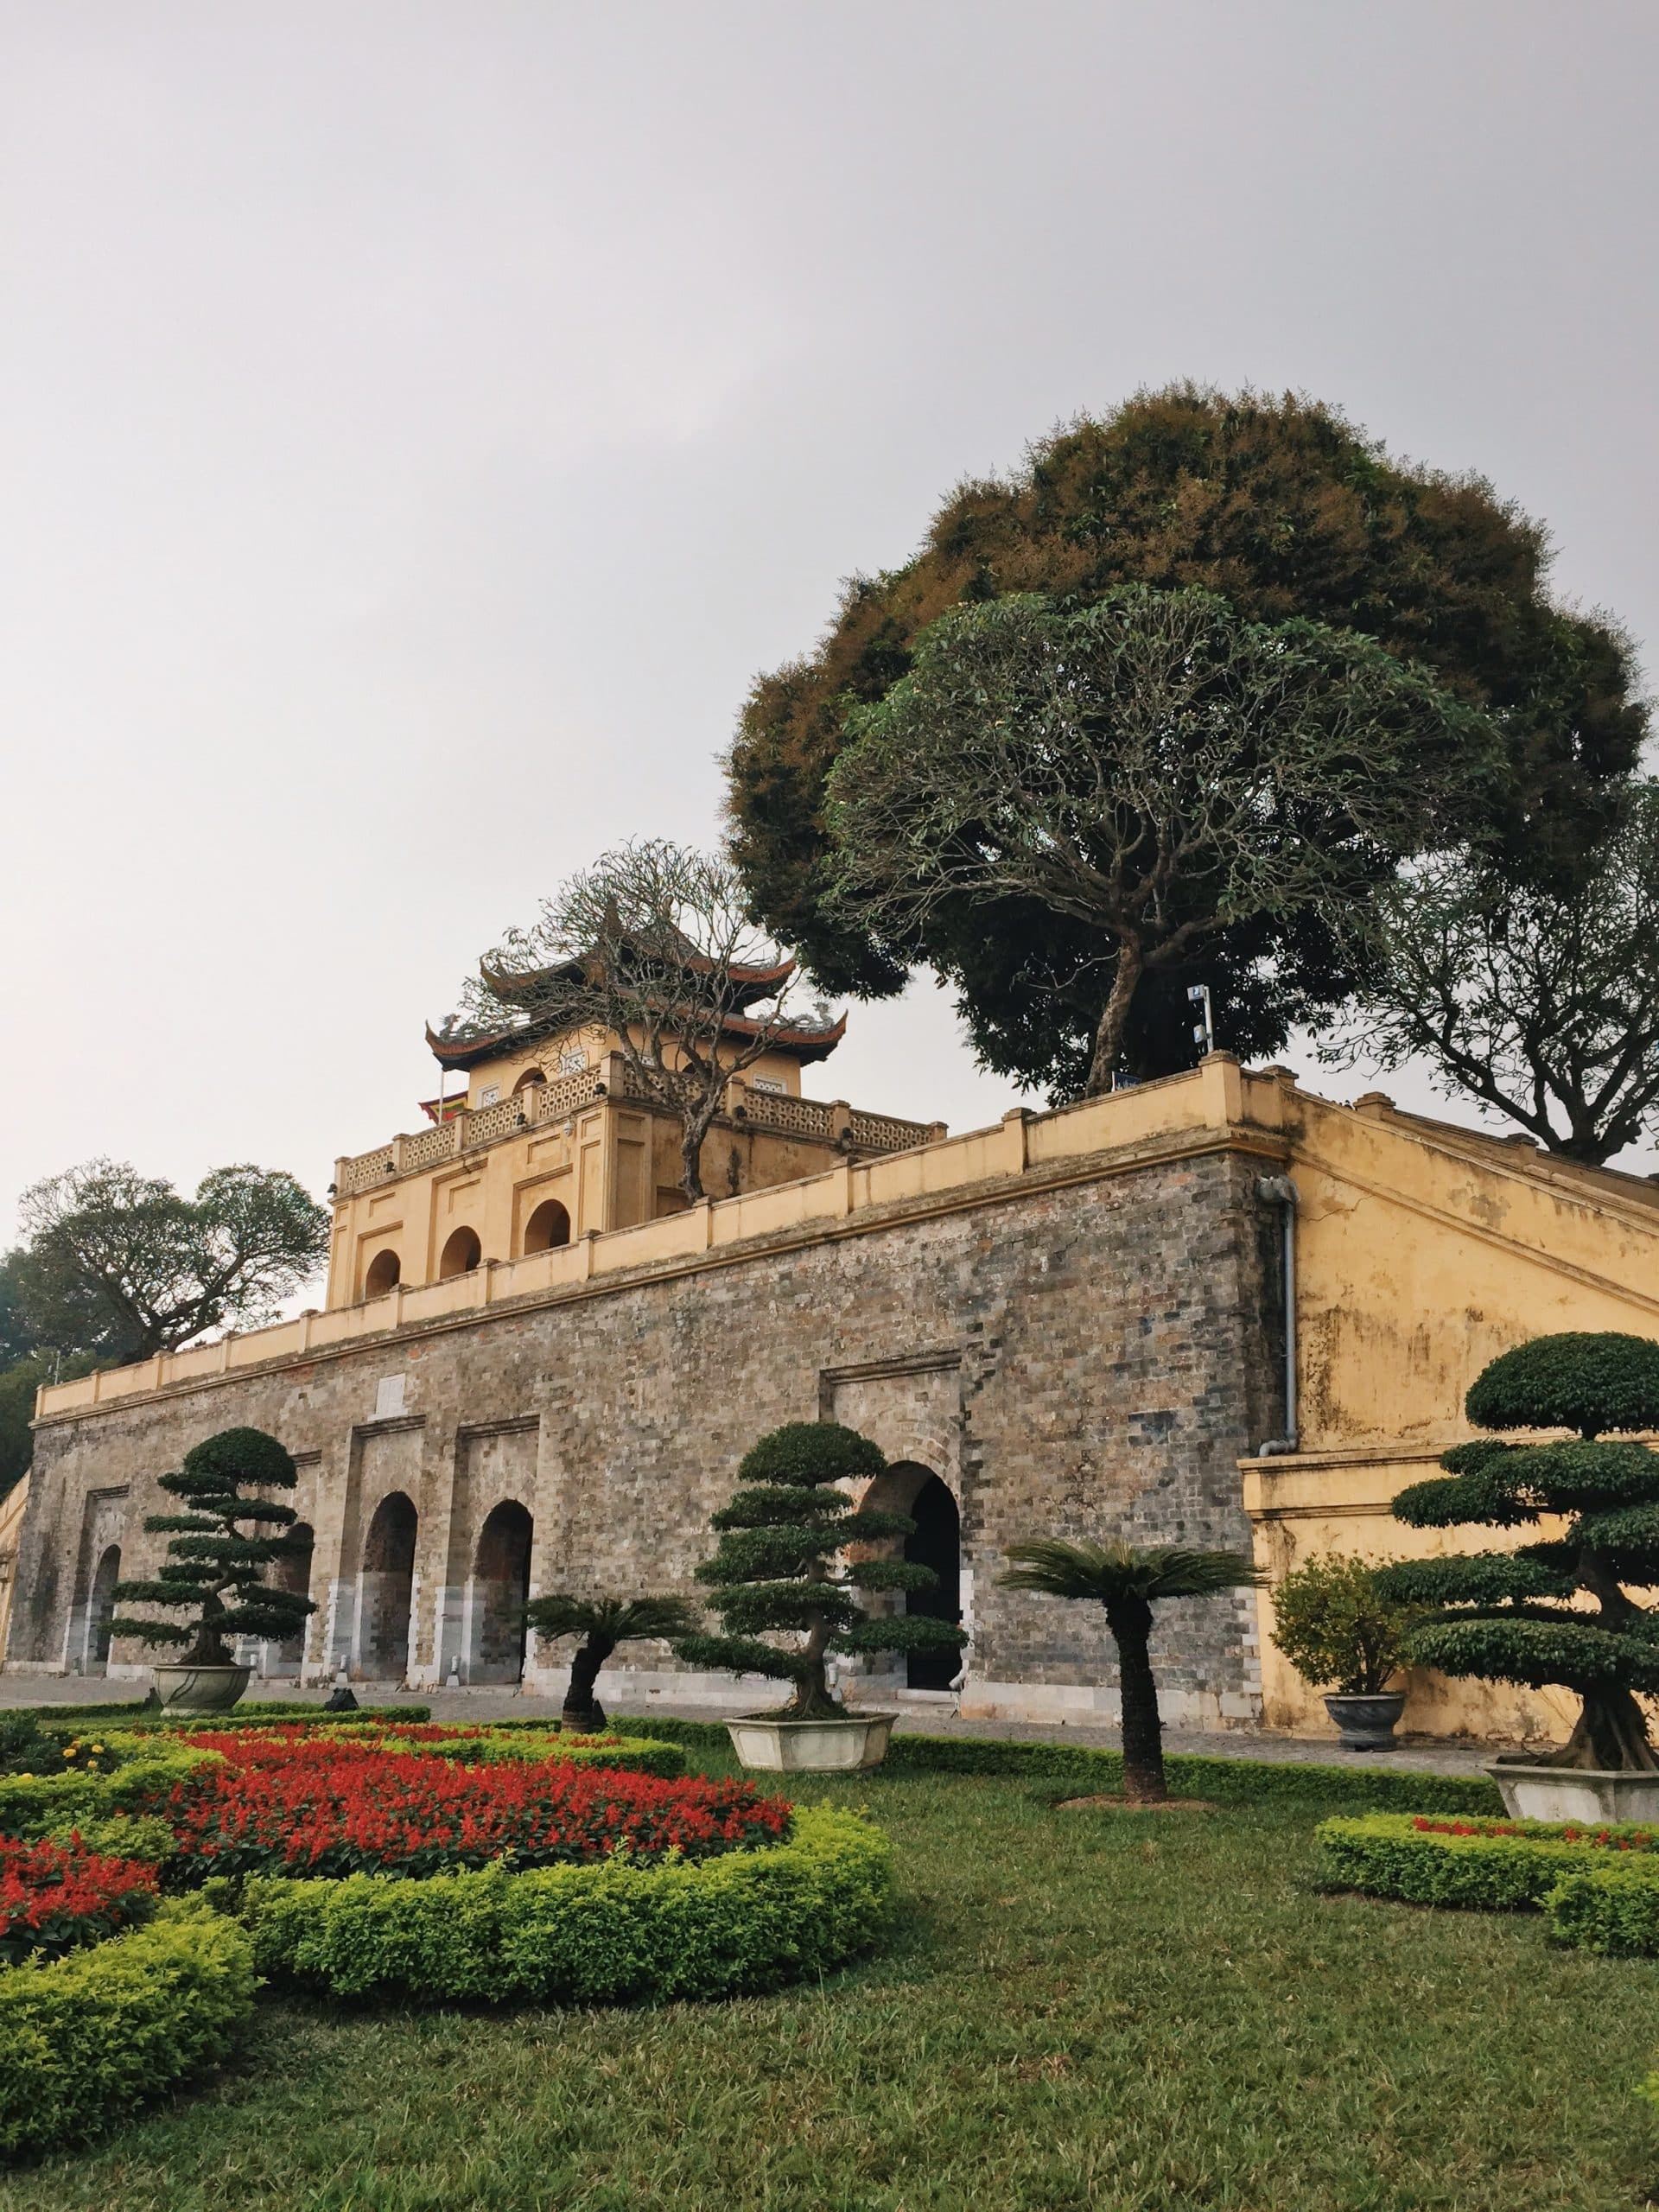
[98, 1747]
[25, 1778]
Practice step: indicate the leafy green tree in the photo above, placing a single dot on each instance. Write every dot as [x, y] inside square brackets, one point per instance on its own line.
[119, 1265]
[603, 1623]
[1521, 1616]
[1338, 1629]
[775, 1568]
[220, 1550]
[1540, 1001]
[1127, 1582]
[1287, 511]
[1150, 767]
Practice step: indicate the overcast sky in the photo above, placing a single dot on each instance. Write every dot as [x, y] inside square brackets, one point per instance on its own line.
[419, 422]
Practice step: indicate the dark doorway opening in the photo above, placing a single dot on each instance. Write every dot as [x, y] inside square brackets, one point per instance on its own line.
[502, 1590]
[937, 1543]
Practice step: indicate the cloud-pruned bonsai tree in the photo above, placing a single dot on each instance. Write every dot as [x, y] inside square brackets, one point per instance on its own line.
[1337, 1628]
[603, 1623]
[1127, 1581]
[776, 1569]
[221, 1549]
[1520, 1615]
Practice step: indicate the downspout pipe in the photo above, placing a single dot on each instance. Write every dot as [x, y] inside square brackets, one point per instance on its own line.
[1280, 1190]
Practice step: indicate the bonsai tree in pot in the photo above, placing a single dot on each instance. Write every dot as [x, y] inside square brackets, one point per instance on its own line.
[775, 1570]
[603, 1623]
[1521, 1616]
[221, 1549]
[1127, 1582]
[1341, 1633]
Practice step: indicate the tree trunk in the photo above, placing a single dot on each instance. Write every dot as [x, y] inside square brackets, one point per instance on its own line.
[209, 1647]
[1130, 1621]
[813, 1700]
[1610, 1737]
[691, 1160]
[1114, 1017]
[582, 1711]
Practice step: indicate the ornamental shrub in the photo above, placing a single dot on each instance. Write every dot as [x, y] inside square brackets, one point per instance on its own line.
[86, 2039]
[1520, 1615]
[1481, 1865]
[1337, 1628]
[146, 1767]
[620, 1932]
[215, 1572]
[775, 1569]
[526, 1740]
[1613, 1908]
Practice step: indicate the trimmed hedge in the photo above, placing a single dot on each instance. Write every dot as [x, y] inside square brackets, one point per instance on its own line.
[1613, 1909]
[1384, 1855]
[614, 1934]
[88, 2039]
[32, 1804]
[1093, 1769]
[136, 1714]
[628, 1755]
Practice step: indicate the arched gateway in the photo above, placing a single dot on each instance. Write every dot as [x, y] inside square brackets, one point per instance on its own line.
[909, 1487]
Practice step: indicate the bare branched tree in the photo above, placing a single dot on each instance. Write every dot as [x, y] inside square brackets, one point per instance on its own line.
[1151, 766]
[652, 945]
[1544, 1005]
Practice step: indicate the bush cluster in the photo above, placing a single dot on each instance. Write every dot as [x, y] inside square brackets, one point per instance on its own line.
[86, 2039]
[1613, 1908]
[519, 1740]
[611, 1933]
[135, 1770]
[1477, 1865]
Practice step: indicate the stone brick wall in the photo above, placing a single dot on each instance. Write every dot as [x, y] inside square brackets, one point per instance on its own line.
[1081, 1360]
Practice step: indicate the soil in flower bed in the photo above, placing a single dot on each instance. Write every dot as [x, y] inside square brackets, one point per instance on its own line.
[1103, 1803]
[54, 1897]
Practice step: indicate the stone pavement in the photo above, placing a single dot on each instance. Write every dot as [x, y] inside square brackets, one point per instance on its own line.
[1433, 1755]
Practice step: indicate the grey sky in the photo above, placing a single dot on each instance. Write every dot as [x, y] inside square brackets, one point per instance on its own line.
[417, 423]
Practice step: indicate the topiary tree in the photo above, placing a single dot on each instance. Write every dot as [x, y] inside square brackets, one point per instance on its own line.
[1520, 1615]
[213, 1573]
[1129, 1582]
[775, 1567]
[603, 1623]
[1338, 1629]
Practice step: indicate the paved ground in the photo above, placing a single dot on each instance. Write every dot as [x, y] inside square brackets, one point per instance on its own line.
[1430, 1755]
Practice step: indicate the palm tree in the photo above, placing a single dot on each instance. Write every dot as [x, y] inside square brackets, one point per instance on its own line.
[1129, 1582]
[603, 1623]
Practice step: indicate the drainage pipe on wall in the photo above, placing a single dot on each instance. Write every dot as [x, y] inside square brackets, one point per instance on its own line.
[1280, 1190]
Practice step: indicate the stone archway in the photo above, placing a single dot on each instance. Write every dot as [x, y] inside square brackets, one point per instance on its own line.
[498, 1592]
[908, 1486]
[386, 1589]
[100, 1609]
[292, 1573]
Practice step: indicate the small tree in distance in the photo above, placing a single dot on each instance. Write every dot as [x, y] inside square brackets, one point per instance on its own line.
[1127, 1582]
[603, 1623]
[1520, 1615]
[215, 1572]
[775, 1569]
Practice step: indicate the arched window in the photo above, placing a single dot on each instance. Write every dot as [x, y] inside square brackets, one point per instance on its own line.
[385, 1270]
[461, 1254]
[549, 1225]
[530, 1076]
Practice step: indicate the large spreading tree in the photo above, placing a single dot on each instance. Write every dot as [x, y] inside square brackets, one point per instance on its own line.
[1287, 511]
[1153, 768]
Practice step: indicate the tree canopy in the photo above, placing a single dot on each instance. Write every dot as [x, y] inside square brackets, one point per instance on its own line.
[1286, 510]
[117, 1266]
[1154, 770]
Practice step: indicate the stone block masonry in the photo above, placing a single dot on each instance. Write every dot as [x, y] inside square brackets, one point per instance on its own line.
[1084, 1357]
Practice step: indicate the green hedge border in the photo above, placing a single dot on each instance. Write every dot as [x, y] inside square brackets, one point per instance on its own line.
[135, 1714]
[1611, 1910]
[31, 1804]
[88, 2039]
[1228, 1782]
[1382, 1855]
[614, 1934]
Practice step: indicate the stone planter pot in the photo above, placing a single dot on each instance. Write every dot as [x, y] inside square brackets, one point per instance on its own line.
[1367, 1723]
[1534, 1792]
[768, 1746]
[199, 1689]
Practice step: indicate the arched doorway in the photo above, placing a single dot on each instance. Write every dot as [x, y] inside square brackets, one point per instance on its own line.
[292, 1573]
[386, 1269]
[100, 1609]
[386, 1589]
[550, 1225]
[937, 1542]
[500, 1593]
[461, 1254]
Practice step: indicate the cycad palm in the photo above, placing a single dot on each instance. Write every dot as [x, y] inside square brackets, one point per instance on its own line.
[1128, 1581]
[603, 1623]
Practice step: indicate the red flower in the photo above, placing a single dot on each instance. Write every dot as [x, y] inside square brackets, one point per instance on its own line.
[53, 1896]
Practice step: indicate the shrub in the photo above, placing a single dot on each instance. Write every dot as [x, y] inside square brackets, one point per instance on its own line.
[536, 1740]
[1610, 1908]
[1337, 1628]
[86, 2039]
[31, 1805]
[55, 1897]
[1473, 1864]
[620, 1932]
[603, 1623]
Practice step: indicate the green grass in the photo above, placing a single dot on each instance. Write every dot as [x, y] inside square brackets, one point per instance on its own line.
[1146, 2013]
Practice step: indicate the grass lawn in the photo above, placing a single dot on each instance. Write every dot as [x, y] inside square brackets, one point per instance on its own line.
[1077, 2009]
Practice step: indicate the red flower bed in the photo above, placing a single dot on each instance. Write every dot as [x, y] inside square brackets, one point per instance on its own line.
[54, 1896]
[1605, 1838]
[312, 1805]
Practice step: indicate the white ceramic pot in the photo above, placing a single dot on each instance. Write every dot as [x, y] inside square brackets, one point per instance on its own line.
[1532, 1791]
[769, 1746]
[199, 1689]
